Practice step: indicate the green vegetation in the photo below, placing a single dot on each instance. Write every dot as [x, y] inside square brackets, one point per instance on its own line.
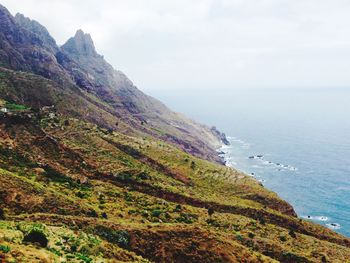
[15, 107]
[5, 248]
[119, 237]
[83, 195]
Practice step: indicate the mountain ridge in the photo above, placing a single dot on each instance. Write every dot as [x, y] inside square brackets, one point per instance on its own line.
[77, 65]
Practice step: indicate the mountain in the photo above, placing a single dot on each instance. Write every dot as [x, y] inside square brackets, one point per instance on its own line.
[94, 170]
[76, 66]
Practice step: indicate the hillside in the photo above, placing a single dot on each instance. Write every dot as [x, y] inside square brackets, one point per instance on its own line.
[93, 170]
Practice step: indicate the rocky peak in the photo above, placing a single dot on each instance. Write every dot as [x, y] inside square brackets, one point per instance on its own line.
[13, 34]
[6, 21]
[38, 29]
[80, 44]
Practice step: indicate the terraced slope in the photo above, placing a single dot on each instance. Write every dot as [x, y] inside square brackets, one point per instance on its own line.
[138, 199]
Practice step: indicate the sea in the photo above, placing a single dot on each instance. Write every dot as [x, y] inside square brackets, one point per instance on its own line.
[295, 141]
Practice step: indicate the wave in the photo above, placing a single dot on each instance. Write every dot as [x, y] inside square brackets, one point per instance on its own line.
[226, 149]
[333, 226]
[316, 218]
[278, 166]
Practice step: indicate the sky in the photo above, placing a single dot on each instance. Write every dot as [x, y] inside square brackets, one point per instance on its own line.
[209, 44]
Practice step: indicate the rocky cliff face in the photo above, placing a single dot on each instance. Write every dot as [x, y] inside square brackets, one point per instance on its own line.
[33, 26]
[76, 66]
[23, 49]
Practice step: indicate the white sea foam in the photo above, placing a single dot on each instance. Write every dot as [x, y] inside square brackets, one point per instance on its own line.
[321, 218]
[279, 166]
[316, 218]
[333, 226]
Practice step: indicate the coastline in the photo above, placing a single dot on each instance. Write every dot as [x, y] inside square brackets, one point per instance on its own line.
[224, 153]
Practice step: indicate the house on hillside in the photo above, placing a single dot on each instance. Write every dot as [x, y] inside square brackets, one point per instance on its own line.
[4, 110]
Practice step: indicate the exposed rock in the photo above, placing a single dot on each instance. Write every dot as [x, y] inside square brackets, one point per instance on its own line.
[38, 29]
[220, 135]
[81, 44]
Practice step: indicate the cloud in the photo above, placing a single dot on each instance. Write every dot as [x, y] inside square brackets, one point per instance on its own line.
[178, 44]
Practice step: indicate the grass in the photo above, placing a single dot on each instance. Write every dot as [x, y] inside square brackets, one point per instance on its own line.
[127, 184]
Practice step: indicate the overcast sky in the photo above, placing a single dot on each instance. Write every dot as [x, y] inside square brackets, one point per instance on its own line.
[182, 44]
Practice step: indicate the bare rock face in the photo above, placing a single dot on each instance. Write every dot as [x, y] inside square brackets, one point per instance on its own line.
[36, 28]
[26, 48]
[220, 135]
[80, 45]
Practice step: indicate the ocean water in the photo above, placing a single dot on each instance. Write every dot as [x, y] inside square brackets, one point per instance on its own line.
[302, 138]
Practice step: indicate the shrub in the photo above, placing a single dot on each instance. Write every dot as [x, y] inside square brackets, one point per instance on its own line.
[84, 258]
[36, 236]
[128, 197]
[251, 235]
[156, 212]
[178, 208]
[144, 176]
[4, 248]
[210, 211]
[125, 176]
[92, 213]
[82, 195]
[262, 221]
[185, 218]
[213, 222]
[58, 177]
[119, 237]
[291, 257]
[239, 237]
[283, 238]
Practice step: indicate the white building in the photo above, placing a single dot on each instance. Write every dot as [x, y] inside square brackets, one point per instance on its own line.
[5, 110]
